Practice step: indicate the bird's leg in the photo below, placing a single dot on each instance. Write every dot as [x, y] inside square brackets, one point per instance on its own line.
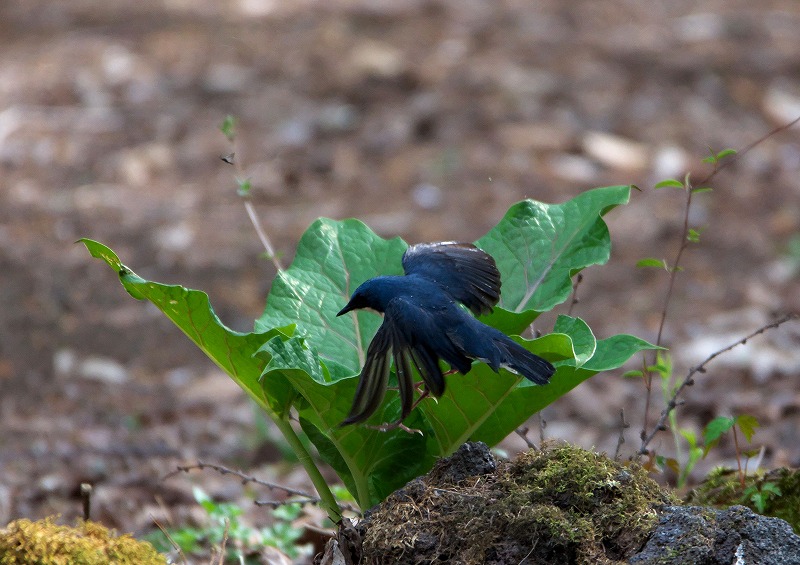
[395, 426]
[422, 394]
[399, 423]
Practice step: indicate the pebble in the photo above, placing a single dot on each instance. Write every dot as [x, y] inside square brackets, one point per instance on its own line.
[781, 106]
[102, 369]
[376, 58]
[427, 196]
[574, 168]
[174, 237]
[614, 151]
[699, 27]
[227, 77]
[669, 161]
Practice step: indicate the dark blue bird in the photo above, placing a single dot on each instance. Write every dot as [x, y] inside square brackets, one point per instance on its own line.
[424, 323]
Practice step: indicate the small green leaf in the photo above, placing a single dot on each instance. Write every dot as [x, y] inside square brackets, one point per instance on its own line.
[724, 153]
[669, 183]
[244, 187]
[228, 127]
[632, 374]
[702, 189]
[748, 425]
[714, 430]
[663, 365]
[652, 262]
[689, 436]
[693, 236]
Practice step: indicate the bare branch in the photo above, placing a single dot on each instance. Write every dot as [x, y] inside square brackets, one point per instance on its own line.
[701, 368]
[523, 433]
[621, 439]
[574, 301]
[222, 470]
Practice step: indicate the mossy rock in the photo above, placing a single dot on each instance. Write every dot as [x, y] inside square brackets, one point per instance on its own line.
[43, 542]
[561, 504]
[723, 488]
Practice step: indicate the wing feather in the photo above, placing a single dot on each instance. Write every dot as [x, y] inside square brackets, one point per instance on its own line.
[374, 377]
[468, 274]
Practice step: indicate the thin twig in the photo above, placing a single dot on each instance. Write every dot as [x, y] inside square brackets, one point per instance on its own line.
[169, 538]
[718, 166]
[232, 159]
[224, 542]
[262, 235]
[522, 432]
[542, 426]
[222, 470]
[574, 301]
[701, 368]
[648, 376]
[744, 151]
[621, 439]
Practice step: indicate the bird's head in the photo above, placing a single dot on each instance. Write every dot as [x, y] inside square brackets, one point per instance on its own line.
[373, 294]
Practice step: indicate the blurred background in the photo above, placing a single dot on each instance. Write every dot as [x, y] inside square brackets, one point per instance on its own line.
[426, 119]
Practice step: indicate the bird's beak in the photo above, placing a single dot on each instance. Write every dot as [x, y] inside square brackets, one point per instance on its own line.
[345, 310]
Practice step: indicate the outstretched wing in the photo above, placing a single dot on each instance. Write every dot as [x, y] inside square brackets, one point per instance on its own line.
[468, 274]
[396, 341]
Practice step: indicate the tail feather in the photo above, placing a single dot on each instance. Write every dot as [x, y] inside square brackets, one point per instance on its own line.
[521, 361]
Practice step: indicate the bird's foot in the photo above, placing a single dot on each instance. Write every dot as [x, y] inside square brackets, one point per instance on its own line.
[398, 425]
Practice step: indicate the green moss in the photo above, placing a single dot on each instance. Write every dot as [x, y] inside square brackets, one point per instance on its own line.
[558, 505]
[723, 488]
[45, 543]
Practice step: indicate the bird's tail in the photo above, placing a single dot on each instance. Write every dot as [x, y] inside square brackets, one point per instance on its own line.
[519, 360]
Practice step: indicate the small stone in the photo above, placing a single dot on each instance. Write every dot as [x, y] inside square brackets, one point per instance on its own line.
[338, 118]
[64, 361]
[573, 168]
[781, 106]
[699, 27]
[226, 77]
[376, 58]
[296, 132]
[427, 196]
[175, 237]
[103, 369]
[669, 161]
[614, 151]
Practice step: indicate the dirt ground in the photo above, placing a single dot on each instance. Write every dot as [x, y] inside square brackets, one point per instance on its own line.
[424, 118]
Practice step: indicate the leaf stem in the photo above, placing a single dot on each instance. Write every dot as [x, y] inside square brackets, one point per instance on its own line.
[327, 500]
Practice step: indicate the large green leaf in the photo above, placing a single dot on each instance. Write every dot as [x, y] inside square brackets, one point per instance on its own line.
[539, 247]
[332, 259]
[191, 311]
